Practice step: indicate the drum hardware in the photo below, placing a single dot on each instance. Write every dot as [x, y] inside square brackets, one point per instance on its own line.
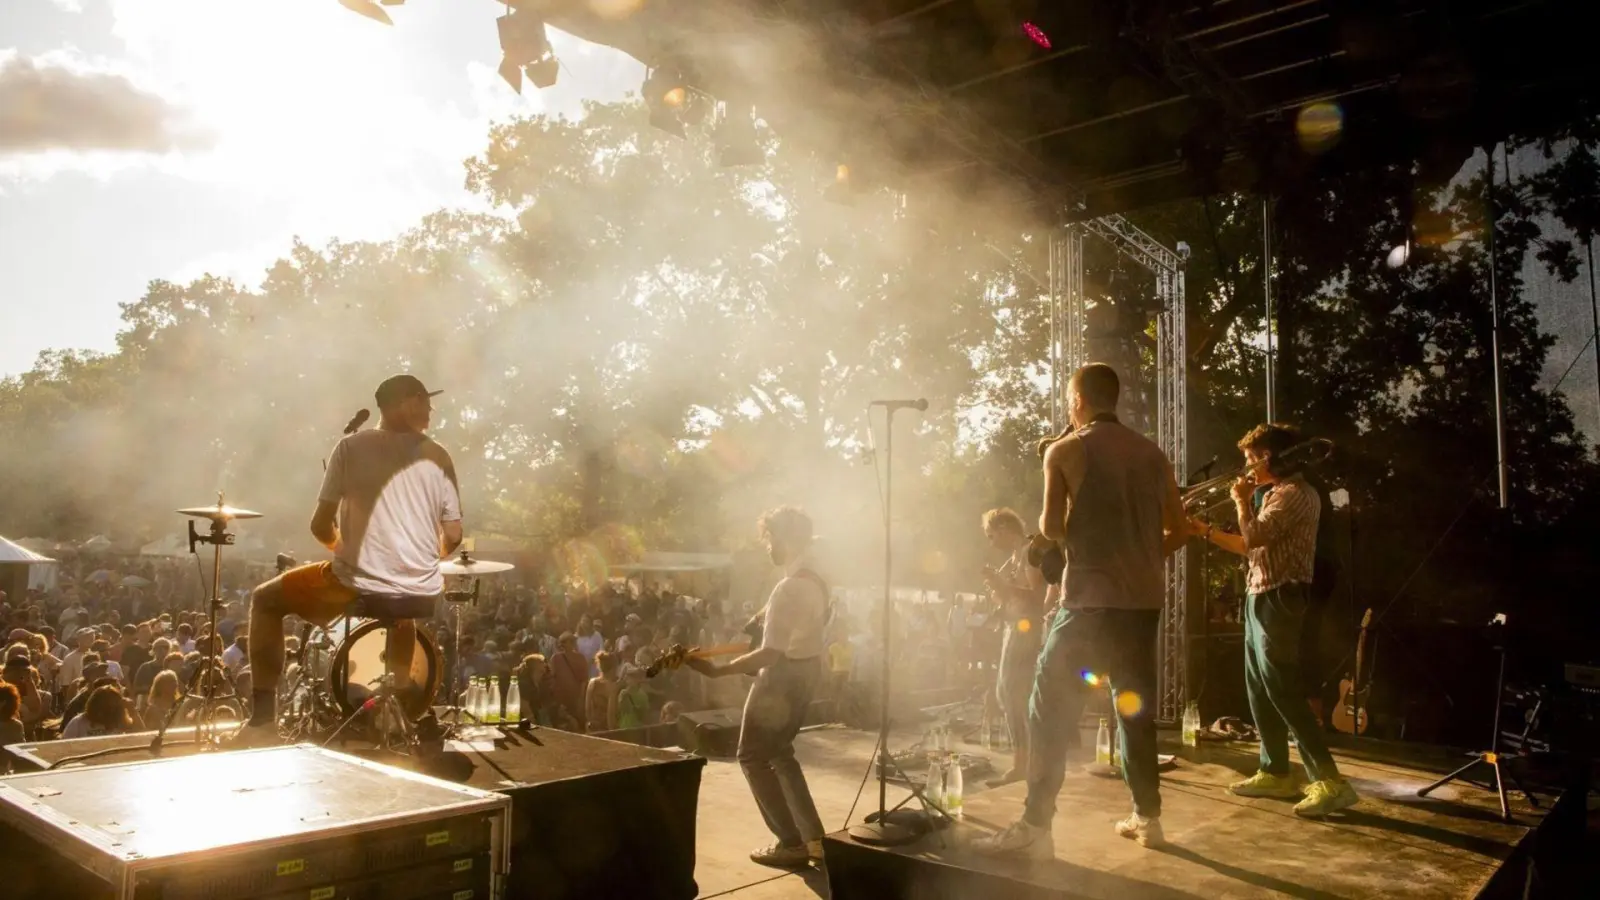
[206, 679]
[463, 565]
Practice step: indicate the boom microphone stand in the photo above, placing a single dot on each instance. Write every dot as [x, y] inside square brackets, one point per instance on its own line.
[879, 831]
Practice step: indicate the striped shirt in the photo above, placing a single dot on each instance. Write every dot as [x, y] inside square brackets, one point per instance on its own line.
[1281, 540]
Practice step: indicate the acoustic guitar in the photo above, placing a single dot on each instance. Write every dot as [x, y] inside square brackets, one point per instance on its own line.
[1350, 714]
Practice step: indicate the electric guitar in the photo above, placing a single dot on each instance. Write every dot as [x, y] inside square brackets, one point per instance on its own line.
[1350, 714]
[675, 656]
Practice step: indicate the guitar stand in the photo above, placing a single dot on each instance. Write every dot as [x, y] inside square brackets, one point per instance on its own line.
[1491, 757]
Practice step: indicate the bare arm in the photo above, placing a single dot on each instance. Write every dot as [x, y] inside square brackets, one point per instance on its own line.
[749, 664]
[1063, 468]
[324, 524]
[1228, 541]
[449, 538]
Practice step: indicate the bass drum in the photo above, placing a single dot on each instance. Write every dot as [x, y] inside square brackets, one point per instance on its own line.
[358, 662]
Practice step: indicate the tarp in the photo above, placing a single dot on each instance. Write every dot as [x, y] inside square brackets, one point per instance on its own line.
[12, 552]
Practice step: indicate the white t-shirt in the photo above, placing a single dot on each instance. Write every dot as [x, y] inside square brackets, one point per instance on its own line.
[797, 614]
[232, 657]
[393, 489]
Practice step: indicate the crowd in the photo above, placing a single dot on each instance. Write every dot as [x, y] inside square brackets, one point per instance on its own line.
[108, 655]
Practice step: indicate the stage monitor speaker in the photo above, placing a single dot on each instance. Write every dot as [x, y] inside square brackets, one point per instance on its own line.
[711, 732]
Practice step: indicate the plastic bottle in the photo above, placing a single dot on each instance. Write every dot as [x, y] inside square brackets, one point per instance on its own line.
[492, 713]
[513, 703]
[1102, 743]
[954, 787]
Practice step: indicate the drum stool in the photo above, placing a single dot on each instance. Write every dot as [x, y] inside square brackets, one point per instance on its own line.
[394, 729]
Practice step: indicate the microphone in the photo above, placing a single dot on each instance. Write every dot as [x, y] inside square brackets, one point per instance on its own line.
[1205, 470]
[918, 405]
[357, 420]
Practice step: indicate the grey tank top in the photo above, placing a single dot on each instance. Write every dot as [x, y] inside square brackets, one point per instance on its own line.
[1114, 533]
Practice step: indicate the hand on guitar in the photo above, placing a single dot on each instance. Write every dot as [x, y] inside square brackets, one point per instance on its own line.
[678, 655]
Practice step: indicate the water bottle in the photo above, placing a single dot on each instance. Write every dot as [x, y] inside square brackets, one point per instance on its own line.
[513, 703]
[1191, 725]
[953, 787]
[1102, 743]
[934, 789]
[492, 713]
[475, 698]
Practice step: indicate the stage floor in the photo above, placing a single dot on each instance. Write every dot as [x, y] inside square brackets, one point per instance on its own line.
[1393, 844]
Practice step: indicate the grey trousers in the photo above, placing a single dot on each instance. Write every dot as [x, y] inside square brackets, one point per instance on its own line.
[1018, 657]
[773, 714]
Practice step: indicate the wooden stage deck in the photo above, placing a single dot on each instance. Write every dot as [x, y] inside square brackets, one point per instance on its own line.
[1394, 844]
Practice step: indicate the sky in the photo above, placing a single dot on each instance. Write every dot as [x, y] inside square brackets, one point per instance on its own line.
[144, 139]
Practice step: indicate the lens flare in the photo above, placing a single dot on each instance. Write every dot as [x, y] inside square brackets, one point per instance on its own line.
[1036, 34]
[675, 97]
[1024, 626]
[1319, 125]
[1129, 704]
[1090, 678]
[842, 174]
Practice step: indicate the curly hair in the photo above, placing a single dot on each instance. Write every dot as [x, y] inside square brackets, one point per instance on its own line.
[1274, 439]
[1003, 518]
[787, 523]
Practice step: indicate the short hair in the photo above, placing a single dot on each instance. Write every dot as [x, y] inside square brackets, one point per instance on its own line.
[1098, 385]
[788, 523]
[128, 630]
[1004, 517]
[1275, 439]
[606, 662]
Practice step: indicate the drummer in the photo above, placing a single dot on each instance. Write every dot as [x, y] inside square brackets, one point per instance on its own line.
[390, 511]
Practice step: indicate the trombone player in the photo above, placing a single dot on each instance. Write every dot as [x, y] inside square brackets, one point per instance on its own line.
[1278, 536]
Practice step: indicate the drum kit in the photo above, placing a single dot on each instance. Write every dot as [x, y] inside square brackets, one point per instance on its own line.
[328, 681]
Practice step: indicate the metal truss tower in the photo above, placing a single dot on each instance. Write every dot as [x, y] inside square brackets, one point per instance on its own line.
[1068, 351]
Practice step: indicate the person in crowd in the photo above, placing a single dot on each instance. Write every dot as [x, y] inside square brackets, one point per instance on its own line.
[12, 730]
[590, 642]
[841, 660]
[72, 663]
[100, 648]
[671, 712]
[600, 699]
[569, 676]
[633, 702]
[134, 650]
[160, 698]
[787, 669]
[185, 637]
[237, 656]
[1278, 536]
[105, 712]
[1111, 504]
[539, 704]
[146, 673]
[32, 704]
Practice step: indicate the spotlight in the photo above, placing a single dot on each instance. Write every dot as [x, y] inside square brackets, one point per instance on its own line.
[667, 96]
[736, 138]
[368, 8]
[526, 49]
[846, 185]
[1400, 255]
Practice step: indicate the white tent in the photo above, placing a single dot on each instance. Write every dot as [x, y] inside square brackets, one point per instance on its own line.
[21, 568]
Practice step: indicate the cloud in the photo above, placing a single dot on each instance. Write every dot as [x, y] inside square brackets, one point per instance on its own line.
[55, 104]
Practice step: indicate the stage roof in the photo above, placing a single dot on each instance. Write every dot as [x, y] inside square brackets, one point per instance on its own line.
[1112, 105]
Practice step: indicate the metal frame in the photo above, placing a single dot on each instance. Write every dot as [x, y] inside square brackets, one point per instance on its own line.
[1068, 351]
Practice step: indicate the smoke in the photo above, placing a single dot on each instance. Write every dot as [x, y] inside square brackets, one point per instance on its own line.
[48, 104]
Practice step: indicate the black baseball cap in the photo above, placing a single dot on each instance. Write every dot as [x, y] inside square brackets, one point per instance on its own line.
[396, 388]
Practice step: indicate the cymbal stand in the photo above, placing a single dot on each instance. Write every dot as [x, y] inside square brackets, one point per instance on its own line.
[453, 710]
[204, 732]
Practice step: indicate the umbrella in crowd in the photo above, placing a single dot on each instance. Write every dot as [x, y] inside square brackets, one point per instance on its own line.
[97, 544]
[134, 581]
[99, 575]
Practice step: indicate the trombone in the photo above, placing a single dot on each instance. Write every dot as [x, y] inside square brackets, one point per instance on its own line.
[1214, 493]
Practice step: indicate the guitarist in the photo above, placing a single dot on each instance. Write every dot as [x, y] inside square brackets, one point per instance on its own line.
[1279, 540]
[788, 667]
[1019, 589]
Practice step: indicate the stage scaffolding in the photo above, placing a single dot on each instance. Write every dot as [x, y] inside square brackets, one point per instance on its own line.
[1068, 351]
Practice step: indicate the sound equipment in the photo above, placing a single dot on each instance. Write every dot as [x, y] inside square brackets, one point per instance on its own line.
[283, 822]
[711, 733]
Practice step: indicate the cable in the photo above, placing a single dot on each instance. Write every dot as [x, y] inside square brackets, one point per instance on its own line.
[723, 893]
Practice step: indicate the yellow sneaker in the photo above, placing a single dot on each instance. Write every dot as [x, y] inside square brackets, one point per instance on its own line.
[1265, 784]
[1326, 796]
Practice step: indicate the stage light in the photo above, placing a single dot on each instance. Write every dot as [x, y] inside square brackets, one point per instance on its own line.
[368, 8]
[1036, 34]
[1319, 125]
[736, 138]
[525, 49]
[666, 95]
[1399, 255]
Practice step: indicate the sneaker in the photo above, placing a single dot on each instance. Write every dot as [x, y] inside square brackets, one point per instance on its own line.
[1146, 831]
[249, 737]
[1265, 784]
[1326, 796]
[814, 850]
[781, 857]
[1018, 839]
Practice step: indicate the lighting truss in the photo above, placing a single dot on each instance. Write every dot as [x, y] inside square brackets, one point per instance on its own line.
[1068, 352]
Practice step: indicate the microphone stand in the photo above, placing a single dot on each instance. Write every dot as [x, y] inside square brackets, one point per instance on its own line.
[877, 830]
[203, 726]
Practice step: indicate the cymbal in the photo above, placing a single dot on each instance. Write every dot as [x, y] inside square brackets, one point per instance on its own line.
[473, 567]
[219, 513]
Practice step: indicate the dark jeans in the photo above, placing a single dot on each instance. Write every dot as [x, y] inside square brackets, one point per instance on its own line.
[773, 714]
[1273, 624]
[1119, 644]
